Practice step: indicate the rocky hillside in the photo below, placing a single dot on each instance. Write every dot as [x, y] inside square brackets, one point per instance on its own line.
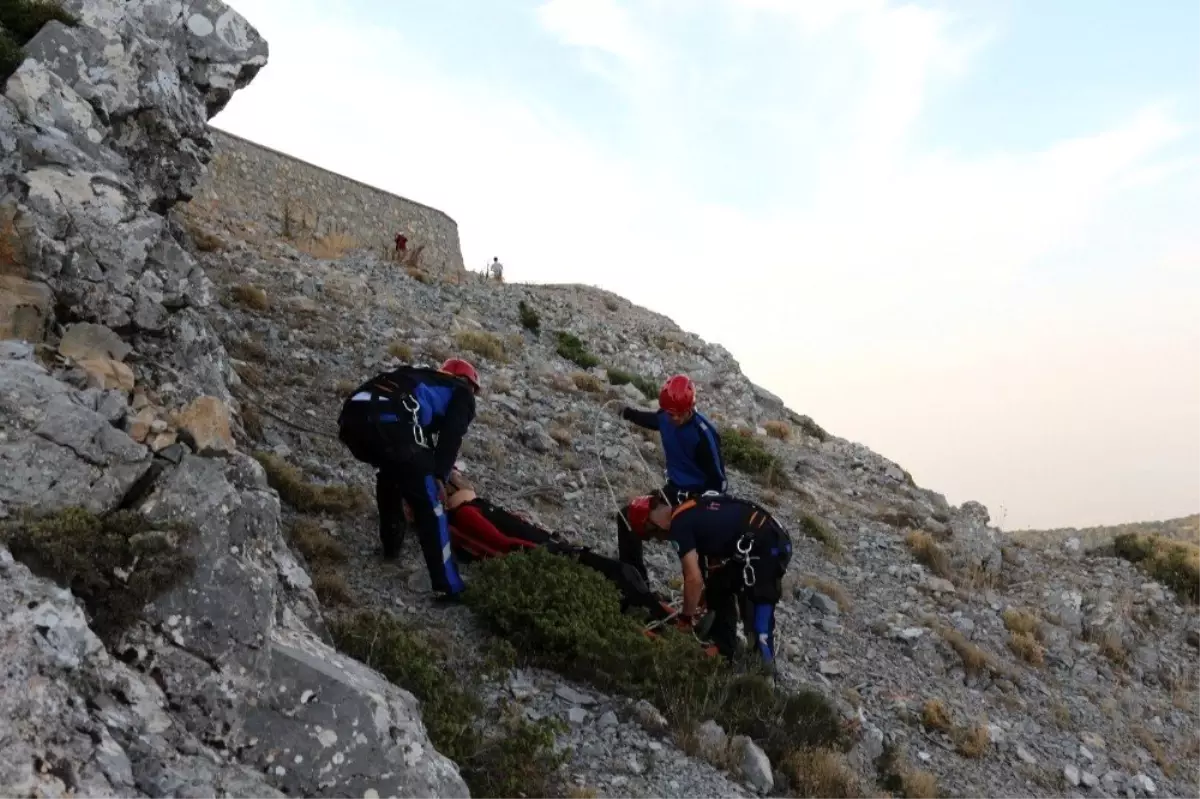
[179, 376]
[1185, 528]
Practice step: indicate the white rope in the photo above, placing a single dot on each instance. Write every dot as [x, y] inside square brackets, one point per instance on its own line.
[600, 460]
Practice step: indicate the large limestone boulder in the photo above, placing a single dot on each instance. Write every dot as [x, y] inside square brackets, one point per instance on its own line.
[58, 445]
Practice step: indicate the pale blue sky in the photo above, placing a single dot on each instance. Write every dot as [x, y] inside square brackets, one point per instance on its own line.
[962, 233]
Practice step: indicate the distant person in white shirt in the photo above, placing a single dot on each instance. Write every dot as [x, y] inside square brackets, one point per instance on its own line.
[496, 269]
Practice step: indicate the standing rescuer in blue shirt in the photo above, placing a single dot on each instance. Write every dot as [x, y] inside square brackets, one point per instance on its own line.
[744, 552]
[692, 448]
[409, 424]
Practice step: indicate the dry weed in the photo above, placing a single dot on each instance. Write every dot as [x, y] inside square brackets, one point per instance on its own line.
[252, 298]
[329, 247]
[1021, 621]
[585, 381]
[401, 350]
[1026, 647]
[778, 429]
[822, 773]
[973, 742]
[481, 342]
[934, 716]
[562, 435]
[830, 588]
[330, 587]
[926, 550]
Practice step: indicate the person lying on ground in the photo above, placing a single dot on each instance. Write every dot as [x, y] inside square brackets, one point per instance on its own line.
[735, 554]
[409, 424]
[481, 529]
[691, 445]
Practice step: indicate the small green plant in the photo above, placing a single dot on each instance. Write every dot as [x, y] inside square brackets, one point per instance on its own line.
[818, 530]
[516, 759]
[573, 349]
[307, 496]
[115, 564]
[619, 377]
[529, 318]
[746, 452]
[561, 615]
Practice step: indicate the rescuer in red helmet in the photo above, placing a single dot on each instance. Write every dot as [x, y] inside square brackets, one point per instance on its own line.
[690, 443]
[409, 424]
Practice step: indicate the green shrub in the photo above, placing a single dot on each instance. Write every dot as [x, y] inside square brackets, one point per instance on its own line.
[564, 616]
[619, 377]
[115, 564]
[529, 318]
[11, 55]
[307, 496]
[516, 759]
[571, 348]
[746, 452]
[1176, 564]
[815, 528]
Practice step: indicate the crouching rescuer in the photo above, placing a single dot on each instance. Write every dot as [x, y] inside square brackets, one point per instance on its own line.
[735, 554]
[409, 424]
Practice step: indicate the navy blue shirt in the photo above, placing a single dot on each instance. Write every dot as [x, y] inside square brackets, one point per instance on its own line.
[711, 527]
[692, 450]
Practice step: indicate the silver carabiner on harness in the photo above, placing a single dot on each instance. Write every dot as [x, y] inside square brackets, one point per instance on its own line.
[413, 406]
[745, 545]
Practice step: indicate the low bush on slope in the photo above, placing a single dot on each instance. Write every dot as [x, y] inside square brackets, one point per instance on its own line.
[516, 758]
[1175, 564]
[563, 616]
[115, 563]
[746, 452]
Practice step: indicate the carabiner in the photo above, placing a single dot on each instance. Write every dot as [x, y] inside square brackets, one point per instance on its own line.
[748, 575]
[744, 545]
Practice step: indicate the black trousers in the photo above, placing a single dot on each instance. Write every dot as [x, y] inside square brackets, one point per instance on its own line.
[399, 480]
[731, 599]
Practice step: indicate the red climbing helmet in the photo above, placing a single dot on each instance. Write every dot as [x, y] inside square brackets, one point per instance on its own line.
[638, 513]
[460, 368]
[678, 395]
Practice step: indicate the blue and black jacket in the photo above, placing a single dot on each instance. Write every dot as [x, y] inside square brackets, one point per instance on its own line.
[446, 408]
[692, 450]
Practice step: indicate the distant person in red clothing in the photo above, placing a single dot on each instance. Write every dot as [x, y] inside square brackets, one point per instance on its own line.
[401, 245]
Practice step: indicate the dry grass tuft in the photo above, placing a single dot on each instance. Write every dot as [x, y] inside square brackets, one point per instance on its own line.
[1026, 647]
[1151, 745]
[1023, 622]
[822, 773]
[203, 239]
[934, 716]
[314, 542]
[926, 550]
[329, 247]
[401, 350]
[581, 792]
[330, 587]
[778, 429]
[585, 381]
[919, 784]
[973, 742]
[562, 435]
[343, 387]
[1113, 648]
[252, 298]
[974, 659]
[830, 588]
[481, 342]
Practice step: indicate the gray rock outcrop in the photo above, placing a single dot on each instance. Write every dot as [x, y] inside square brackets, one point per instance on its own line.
[227, 685]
